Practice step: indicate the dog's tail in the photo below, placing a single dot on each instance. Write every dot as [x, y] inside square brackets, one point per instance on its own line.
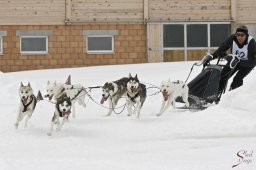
[39, 96]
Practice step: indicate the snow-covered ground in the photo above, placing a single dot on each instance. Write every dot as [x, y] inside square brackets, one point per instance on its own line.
[214, 139]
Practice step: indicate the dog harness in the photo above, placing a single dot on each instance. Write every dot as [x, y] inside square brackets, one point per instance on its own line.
[25, 105]
[77, 93]
[136, 95]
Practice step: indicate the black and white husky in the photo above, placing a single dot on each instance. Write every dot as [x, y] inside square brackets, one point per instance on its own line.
[113, 91]
[27, 104]
[62, 110]
[170, 91]
[136, 94]
[76, 93]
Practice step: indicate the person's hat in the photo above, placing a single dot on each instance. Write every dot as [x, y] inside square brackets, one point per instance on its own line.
[242, 28]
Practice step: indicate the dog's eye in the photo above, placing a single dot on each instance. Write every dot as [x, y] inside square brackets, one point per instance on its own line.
[26, 92]
[167, 86]
[62, 104]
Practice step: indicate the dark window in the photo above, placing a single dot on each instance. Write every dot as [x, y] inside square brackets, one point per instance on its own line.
[197, 35]
[174, 35]
[33, 44]
[96, 44]
[219, 32]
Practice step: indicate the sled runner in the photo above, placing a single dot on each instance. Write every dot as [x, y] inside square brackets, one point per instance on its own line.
[204, 88]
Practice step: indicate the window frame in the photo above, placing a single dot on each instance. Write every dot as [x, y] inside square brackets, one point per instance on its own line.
[100, 51]
[1, 45]
[34, 52]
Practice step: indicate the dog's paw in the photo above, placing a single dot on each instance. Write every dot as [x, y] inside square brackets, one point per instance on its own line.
[16, 125]
[107, 115]
[49, 134]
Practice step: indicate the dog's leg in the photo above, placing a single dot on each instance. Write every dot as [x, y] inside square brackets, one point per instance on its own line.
[129, 108]
[110, 106]
[162, 108]
[18, 119]
[137, 109]
[53, 121]
[26, 120]
[65, 118]
[83, 99]
[73, 109]
[185, 99]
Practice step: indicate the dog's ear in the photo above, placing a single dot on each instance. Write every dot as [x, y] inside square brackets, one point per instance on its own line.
[129, 75]
[55, 83]
[136, 77]
[48, 82]
[21, 84]
[29, 84]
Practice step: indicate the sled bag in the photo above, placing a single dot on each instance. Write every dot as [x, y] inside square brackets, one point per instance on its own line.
[205, 86]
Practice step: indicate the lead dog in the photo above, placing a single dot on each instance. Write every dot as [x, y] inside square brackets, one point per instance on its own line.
[27, 104]
[136, 94]
[113, 91]
[170, 91]
[62, 109]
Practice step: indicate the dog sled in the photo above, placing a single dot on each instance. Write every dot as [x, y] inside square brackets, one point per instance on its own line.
[204, 88]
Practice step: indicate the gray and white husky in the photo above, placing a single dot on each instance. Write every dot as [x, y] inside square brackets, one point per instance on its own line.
[136, 94]
[170, 91]
[76, 93]
[27, 104]
[62, 110]
[113, 91]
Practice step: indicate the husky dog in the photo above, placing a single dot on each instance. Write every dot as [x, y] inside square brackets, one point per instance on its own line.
[76, 93]
[27, 104]
[136, 94]
[113, 91]
[62, 109]
[170, 91]
[54, 90]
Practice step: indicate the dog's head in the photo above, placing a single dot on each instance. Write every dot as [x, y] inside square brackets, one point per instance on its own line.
[133, 83]
[166, 88]
[25, 92]
[109, 89]
[64, 104]
[51, 90]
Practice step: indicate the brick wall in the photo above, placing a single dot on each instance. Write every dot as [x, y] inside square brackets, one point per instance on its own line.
[67, 46]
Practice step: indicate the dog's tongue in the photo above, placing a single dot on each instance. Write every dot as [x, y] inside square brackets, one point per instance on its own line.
[165, 95]
[103, 99]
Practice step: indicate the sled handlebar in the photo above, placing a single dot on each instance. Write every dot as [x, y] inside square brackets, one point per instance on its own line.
[234, 60]
[207, 57]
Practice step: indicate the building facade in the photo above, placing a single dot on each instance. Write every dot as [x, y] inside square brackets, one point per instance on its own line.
[44, 34]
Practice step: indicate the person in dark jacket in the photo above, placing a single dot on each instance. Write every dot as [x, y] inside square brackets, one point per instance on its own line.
[244, 46]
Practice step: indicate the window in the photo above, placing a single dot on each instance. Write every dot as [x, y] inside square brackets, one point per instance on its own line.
[34, 44]
[1, 45]
[34, 41]
[197, 35]
[100, 41]
[219, 32]
[2, 34]
[189, 40]
[174, 35]
[100, 44]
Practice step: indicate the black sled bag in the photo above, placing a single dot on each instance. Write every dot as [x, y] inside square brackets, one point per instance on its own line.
[205, 86]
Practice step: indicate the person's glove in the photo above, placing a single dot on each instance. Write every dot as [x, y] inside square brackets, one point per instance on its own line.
[206, 60]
